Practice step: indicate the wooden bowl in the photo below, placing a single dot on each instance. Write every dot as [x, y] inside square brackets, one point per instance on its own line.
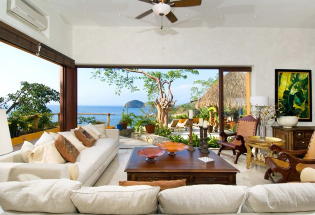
[172, 147]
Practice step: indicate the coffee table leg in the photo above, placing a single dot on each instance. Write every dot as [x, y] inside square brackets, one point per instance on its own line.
[248, 156]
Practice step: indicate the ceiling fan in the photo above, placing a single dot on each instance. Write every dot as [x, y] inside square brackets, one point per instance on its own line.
[164, 7]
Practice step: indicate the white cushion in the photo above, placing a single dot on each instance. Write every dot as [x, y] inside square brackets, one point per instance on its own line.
[46, 137]
[202, 199]
[308, 175]
[26, 151]
[102, 129]
[50, 195]
[70, 136]
[93, 131]
[46, 153]
[91, 158]
[116, 200]
[289, 197]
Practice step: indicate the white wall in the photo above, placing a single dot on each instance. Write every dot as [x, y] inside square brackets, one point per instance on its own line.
[58, 36]
[265, 49]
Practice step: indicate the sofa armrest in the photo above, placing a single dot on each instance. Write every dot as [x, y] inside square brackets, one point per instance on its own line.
[32, 171]
[112, 133]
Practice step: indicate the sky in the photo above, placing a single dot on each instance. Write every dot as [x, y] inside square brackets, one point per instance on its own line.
[17, 66]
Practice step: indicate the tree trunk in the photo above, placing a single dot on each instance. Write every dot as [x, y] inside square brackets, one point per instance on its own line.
[162, 115]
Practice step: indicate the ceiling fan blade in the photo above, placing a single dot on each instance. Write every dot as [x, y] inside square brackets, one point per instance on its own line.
[171, 16]
[185, 3]
[144, 14]
[148, 1]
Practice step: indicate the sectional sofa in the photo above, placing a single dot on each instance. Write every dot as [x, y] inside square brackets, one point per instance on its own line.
[88, 167]
[63, 196]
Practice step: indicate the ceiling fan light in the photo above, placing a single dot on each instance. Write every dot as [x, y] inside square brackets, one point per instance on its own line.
[161, 9]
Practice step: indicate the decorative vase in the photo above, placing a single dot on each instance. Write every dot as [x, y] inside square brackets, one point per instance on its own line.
[150, 128]
[288, 121]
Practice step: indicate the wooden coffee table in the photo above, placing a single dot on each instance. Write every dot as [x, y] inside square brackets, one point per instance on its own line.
[184, 165]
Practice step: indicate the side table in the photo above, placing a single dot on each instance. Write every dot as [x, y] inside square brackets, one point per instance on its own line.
[260, 145]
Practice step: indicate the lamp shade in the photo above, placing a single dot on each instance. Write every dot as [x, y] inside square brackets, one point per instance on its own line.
[5, 137]
[259, 100]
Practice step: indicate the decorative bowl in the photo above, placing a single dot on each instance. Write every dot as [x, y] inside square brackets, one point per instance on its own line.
[151, 153]
[172, 147]
[288, 121]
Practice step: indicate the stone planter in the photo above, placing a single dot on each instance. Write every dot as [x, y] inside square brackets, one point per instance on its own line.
[288, 121]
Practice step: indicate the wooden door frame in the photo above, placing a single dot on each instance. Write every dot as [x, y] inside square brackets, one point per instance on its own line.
[221, 70]
[68, 74]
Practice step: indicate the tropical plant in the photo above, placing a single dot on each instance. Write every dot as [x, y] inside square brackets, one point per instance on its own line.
[127, 118]
[162, 131]
[293, 95]
[180, 116]
[86, 120]
[157, 84]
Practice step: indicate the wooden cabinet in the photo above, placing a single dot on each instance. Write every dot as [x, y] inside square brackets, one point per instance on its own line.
[295, 138]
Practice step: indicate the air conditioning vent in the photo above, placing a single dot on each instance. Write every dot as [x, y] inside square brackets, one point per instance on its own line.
[28, 13]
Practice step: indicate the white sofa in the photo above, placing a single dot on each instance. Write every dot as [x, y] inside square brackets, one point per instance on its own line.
[89, 166]
[43, 195]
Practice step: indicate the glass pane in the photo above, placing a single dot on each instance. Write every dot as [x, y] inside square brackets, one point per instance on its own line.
[30, 94]
[236, 98]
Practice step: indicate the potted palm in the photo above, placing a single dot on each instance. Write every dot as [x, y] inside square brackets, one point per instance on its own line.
[146, 121]
[126, 119]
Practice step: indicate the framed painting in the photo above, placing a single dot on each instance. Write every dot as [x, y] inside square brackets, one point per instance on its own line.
[294, 93]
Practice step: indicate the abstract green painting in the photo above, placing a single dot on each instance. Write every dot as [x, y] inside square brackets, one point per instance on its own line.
[294, 93]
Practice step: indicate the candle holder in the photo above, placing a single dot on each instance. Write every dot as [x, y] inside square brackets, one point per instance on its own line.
[203, 146]
[190, 145]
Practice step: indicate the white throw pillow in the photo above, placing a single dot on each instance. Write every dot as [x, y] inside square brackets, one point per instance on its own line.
[280, 198]
[70, 136]
[46, 137]
[102, 129]
[202, 199]
[45, 195]
[116, 200]
[26, 151]
[46, 153]
[308, 175]
[93, 131]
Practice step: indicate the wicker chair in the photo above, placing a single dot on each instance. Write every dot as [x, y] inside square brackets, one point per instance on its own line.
[246, 126]
[290, 163]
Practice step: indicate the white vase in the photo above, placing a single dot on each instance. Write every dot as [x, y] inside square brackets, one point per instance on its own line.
[288, 121]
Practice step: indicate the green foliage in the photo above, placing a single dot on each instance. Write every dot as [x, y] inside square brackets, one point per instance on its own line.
[27, 108]
[127, 79]
[293, 95]
[127, 118]
[178, 139]
[32, 98]
[200, 88]
[180, 116]
[82, 120]
[162, 131]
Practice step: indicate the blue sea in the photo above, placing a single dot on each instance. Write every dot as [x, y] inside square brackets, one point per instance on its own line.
[115, 110]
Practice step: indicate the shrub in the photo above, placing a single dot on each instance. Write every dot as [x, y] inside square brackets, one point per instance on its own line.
[162, 131]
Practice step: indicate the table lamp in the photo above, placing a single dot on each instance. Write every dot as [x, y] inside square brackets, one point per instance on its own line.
[259, 101]
[5, 137]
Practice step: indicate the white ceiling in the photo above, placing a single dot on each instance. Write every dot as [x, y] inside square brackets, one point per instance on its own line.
[212, 13]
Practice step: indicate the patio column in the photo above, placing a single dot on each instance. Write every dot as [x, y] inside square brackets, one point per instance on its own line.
[68, 98]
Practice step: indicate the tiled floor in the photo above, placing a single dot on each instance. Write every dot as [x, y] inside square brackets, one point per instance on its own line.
[115, 171]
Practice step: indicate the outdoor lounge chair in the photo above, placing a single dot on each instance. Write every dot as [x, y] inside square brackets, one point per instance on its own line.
[290, 163]
[173, 124]
[246, 126]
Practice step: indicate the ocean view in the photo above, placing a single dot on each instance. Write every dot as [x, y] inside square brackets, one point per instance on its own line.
[115, 110]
